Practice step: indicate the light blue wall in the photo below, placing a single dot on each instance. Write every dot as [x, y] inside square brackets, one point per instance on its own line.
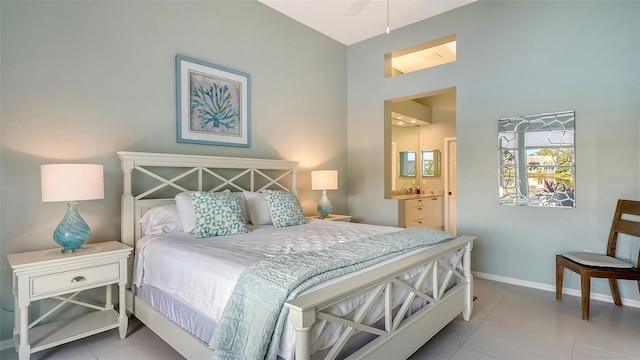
[82, 80]
[515, 58]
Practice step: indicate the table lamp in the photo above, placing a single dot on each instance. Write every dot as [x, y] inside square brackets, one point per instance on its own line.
[71, 182]
[324, 180]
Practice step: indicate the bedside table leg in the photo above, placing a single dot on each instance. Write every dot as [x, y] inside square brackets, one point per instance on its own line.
[16, 321]
[122, 308]
[24, 349]
[108, 304]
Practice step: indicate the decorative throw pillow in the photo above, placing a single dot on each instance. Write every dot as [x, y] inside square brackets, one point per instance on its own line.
[161, 219]
[217, 214]
[257, 208]
[284, 207]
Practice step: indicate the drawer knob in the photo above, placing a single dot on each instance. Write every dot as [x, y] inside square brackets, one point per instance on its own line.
[78, 279]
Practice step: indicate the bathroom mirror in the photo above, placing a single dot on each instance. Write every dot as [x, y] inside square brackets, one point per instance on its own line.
[431, 162]
[537, 160]
[407, 163]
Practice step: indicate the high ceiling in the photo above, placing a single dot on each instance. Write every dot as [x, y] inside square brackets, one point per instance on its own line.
[351, 21]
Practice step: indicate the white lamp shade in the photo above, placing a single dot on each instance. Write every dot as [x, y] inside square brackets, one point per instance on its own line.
[71, 182]
[324, 180]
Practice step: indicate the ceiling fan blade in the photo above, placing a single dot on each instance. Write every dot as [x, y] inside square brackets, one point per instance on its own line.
[356, 8]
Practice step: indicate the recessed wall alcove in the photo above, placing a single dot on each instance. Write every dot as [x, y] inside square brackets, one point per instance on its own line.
[421, 56]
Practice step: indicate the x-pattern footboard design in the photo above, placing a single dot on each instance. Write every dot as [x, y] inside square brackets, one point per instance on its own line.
[397, 294]
[386, 289]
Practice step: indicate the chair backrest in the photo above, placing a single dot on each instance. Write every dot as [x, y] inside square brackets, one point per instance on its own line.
[624, 226]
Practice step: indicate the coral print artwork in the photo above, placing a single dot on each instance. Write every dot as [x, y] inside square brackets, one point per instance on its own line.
[212, 104]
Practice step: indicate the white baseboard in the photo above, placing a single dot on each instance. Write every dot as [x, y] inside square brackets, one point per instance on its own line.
[552, 288]
[6, 344]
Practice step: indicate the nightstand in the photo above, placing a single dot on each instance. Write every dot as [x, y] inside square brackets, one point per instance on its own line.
[333, 217]
[50, 273]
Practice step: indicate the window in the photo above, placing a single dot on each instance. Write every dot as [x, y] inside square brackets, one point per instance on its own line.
[537, 160]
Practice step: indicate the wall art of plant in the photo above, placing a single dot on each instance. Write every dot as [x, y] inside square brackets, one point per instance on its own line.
[214, 106]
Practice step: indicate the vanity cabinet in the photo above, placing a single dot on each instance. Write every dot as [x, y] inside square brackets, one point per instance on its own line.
[424, 211]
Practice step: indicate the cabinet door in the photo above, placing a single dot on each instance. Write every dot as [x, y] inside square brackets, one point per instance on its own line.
[434, 217]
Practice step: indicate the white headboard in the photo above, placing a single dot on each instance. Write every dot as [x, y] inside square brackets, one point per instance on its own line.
[236, 174]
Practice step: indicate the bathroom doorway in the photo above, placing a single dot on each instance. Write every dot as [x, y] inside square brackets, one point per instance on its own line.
[420, 124]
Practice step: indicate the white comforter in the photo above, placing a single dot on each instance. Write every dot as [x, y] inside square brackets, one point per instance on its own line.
[203, 272]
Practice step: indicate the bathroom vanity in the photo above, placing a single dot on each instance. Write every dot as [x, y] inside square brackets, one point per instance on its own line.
[424, 210]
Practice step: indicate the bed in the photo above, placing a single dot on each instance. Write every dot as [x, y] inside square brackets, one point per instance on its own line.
[382, 309]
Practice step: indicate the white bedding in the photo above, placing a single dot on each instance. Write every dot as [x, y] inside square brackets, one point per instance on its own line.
[202, 272]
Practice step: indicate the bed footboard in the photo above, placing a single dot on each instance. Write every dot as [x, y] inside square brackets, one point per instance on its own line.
[401, 335]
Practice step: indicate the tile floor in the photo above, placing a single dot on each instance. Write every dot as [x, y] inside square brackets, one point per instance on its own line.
[508, 322]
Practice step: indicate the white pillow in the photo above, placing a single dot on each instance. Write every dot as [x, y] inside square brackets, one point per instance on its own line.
[186, 212]
[257, 208]
[243, 202]
[161, 219]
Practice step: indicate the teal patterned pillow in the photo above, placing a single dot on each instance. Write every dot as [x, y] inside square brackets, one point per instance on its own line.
[285, 208]
[218, 214]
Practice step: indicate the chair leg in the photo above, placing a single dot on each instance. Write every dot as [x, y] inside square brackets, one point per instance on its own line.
[613, 284]
[586, 294]
[559, 279]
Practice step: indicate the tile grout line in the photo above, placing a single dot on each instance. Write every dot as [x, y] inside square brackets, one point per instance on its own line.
[476, 329]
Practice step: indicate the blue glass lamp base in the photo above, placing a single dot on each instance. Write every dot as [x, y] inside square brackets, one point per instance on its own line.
[324, 205]
[72, 231]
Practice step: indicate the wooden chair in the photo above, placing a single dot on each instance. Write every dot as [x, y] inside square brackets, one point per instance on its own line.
[603, 266]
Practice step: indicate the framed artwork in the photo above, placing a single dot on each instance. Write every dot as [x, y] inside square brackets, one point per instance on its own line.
[212, 104]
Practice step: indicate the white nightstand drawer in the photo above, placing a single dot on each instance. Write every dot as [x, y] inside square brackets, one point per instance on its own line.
[74, 279]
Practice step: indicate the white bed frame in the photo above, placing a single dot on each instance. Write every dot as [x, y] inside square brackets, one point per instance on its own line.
[401, 335]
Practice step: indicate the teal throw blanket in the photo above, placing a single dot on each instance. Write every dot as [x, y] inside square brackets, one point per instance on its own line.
[254, 317]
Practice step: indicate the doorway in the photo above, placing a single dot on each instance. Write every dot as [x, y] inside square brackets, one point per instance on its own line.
[420, 137]
[450, 185]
